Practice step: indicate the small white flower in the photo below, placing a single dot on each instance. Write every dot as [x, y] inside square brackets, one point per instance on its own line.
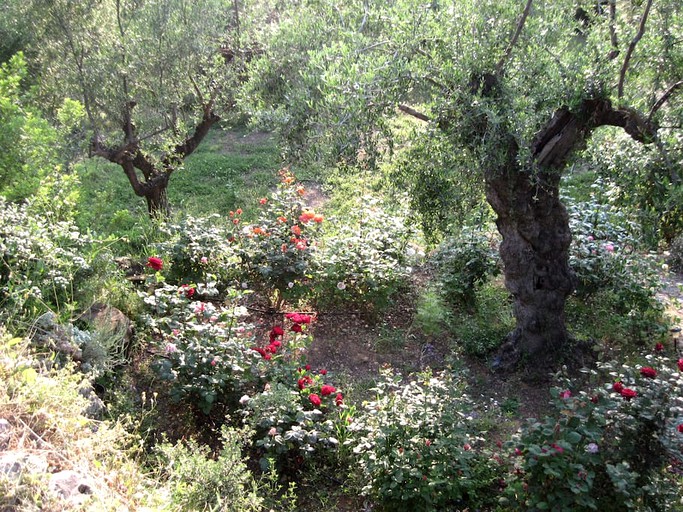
[341, 285]
[290, 285]
[410, 252]
[665, 267]
[245, 285]
[592, 448]
[245, 399]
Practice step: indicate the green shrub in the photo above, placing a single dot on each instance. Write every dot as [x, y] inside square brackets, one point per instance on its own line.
[417, 448]
[463, 264]
[607, 448]
[612, 275]
[365, 257]
[675, 258]
[42, 263]
[201, 482]
[485, 329]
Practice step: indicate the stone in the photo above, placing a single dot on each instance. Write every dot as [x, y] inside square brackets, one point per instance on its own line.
[108, 319]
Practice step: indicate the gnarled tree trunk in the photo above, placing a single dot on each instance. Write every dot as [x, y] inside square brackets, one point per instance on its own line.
[535, 228]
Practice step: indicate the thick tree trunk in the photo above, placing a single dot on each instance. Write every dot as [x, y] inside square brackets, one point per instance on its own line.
[535, 252]
[535, 228]
[157, 199]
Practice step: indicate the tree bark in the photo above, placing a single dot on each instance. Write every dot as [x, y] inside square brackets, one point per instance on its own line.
[154, 185]
[534, 226]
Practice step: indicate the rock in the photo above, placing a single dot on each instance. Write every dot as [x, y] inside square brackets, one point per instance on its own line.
[95, 407]
[108, 319]
[71, 485]
[55, 337]
[5, 433]
[14, 463]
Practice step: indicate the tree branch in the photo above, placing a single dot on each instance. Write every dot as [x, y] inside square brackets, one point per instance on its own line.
[612, 29]
[412, 112]
[185, 148]
[631, 48]
[665, 97]
[513, 42]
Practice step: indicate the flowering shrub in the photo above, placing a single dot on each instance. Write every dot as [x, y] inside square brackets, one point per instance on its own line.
[605, 449]
[417, 448]
[609, 270]
[299, 410]
[41, 262]
[205, 349]
[365, 257]
[199, 250]
[276, 251]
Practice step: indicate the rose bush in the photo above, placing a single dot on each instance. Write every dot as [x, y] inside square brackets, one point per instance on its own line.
[417, 447]
[276, 251]
[607, 448]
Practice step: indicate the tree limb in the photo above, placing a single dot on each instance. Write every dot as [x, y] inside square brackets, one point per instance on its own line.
[665, 97]
[612, 29]
[513, 42]
[631, 48]
[412, 112]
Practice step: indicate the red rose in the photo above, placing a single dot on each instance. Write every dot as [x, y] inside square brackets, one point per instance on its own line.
[659, 347]
[647, 371]
[618, 386]
[680, 428]
[323, 372]
[263, 200]
[339, 399]
[301, 383]
[260, 351]
[213, 362]
[428, 442]
[565, 394]
[327, 390]
[315, 399]
[267, 357]
[277, 331]
[628, 393]
[308, 367]
[155, 263]
[680, 365]
[558, 448]
[296, 328]
[276, 344]
[272, 348]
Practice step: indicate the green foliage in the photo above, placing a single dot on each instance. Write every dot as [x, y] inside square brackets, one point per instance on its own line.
[42, 263]
[643, 179]
[463, 264]
[365, 256]
[432, 315]
[417, 447]
[30, 159]
[484, 330]
[604, 449]
[611, 272]
[200, 482]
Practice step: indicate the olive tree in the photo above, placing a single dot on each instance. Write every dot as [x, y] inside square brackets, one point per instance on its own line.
[516, 87]
[153, 76]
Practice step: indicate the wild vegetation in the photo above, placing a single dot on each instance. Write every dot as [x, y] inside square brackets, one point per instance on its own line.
[413, 256]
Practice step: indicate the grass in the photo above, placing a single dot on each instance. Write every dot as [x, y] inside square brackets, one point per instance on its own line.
[229, 169]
